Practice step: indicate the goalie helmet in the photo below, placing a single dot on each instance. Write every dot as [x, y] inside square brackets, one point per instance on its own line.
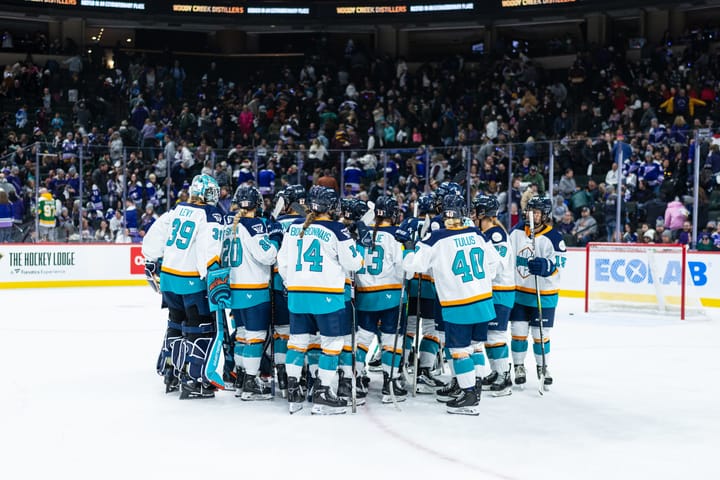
[485, 205]
[387, 207]
[453, 206]
[248, 198]
[322, 199]
[205, 188]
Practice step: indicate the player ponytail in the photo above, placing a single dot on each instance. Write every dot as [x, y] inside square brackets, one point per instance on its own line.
[242, 212]
[498, 223]
[308, 220]
[374, 235]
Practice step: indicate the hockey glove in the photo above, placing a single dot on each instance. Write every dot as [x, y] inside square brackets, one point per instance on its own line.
[364, 235]
[541, 266]
[218, 285]
[152, 274]
[276, 233]
[407, 230]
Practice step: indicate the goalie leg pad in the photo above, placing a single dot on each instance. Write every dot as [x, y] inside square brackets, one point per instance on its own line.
[171, 342]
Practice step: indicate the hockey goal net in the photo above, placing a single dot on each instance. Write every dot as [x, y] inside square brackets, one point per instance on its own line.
[652, 278]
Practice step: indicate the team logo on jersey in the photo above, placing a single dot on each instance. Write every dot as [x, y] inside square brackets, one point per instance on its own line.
[259, 228]
[218, 217]
[249, 295]
[522, 262]
[328, 299]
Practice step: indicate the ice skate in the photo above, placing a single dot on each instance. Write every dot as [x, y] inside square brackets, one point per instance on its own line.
[239, 380]
[489, 380]
[325, 402]
[191, 389]
[282, 380]
[397, 389]
[467, 403]
[172, 383]
[451, 391]
[375, 363]
[295, 395]
[427, 383]
[520, 376]
[502, 386]
[254, 389]
[548, 378]
[345, 390]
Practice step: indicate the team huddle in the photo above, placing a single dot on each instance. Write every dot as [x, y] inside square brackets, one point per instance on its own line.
[312, 285]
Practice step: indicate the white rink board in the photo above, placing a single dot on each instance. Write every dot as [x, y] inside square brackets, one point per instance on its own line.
[72, 265]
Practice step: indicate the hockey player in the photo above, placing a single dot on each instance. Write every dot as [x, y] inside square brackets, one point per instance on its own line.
[250, 255]
[291, 194]
[351, 211]
[485, 208]
[430, 343]
[378, 289]
[545, 262]
[188, 240]
[313, 259]
[463, 265]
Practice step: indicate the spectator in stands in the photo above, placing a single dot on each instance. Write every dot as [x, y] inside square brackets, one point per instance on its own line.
[6, 217]
[567, 185]
[629, 236]
[585, 227]
[705, 243]
[675, 215]
[649, 236]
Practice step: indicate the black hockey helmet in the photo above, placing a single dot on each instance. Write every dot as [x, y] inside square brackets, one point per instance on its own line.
[322, 199]
[540, 203]
[353, 209]
[292, 194]
[426, 203]
[453, 206]
[485, 205]
[247, 197]
[387, 207]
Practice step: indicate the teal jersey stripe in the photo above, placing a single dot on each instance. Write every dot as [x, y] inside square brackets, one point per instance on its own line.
[506, 299]
[277, 282]
[246, 298]
[348, 293]
[478, 312]
[181, 285]
[315, 302]
[530, 300]
[376, 301]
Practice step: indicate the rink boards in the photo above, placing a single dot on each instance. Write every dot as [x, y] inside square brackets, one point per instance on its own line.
[90, 265]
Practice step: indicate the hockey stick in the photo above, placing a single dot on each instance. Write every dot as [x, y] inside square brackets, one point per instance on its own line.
[279, 206]
[531, 219]
[397, 333]
[298, 209]
[418, 326]
[353, 387]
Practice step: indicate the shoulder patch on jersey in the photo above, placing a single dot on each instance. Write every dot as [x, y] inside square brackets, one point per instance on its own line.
[496, 237]
[562, 245]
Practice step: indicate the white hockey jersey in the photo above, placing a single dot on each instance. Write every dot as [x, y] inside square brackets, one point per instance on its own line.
[314, 267]
[250, 255]
[548, 244]
[378, 284]
[463, 266]
[285, 221]
[504, 281]
[188, 240]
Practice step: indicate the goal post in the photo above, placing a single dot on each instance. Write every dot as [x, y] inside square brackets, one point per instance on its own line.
[639, 277]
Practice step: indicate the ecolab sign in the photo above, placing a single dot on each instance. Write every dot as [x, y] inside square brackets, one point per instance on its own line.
[637, 271]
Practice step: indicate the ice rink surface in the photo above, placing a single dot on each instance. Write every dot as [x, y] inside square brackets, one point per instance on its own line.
[635, 397]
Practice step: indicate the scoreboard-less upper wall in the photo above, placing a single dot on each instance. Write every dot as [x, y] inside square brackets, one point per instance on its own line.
[312, 11]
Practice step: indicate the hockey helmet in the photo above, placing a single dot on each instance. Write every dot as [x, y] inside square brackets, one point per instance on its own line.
[387, 207]
[353, 209]
[540, 203]
[292, 194]
[205, 188]
[322, 199]
[453, 206]
[485, 205]
[248, 198]
[426, 203]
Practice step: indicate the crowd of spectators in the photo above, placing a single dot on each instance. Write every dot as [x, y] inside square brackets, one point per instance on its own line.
[146, 126]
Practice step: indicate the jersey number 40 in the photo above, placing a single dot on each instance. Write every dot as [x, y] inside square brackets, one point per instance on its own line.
[469, 268]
